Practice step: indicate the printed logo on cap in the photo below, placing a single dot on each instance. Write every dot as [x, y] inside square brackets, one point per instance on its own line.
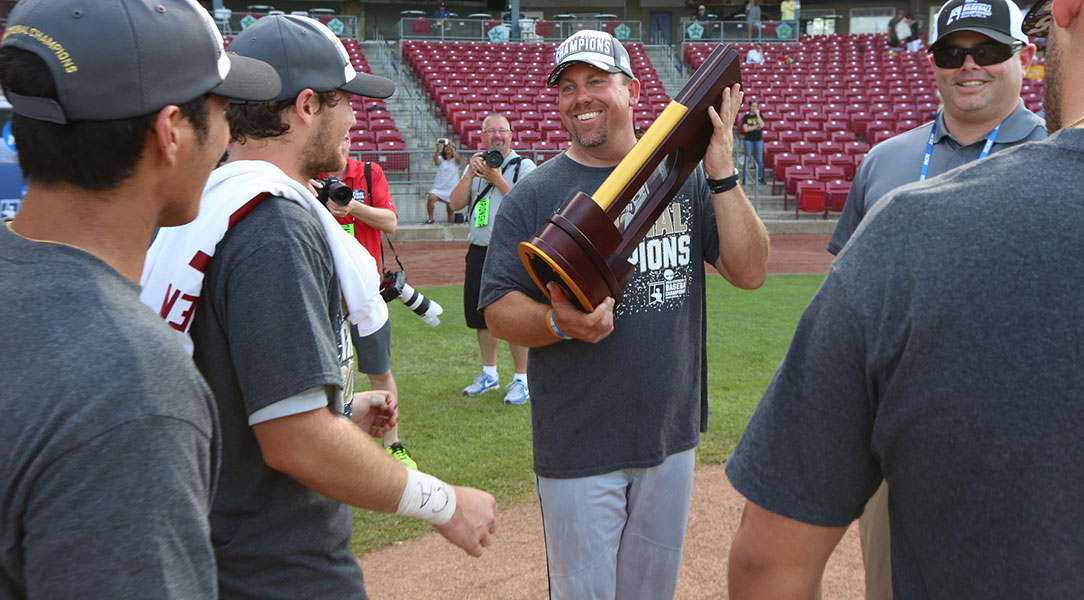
[66, 59]
[971, 9]
[584, 43]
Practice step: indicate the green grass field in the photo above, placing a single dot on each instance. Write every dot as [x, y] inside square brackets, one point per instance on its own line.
[483, 443]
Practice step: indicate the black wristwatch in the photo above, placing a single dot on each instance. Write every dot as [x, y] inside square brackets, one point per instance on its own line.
[718, 186]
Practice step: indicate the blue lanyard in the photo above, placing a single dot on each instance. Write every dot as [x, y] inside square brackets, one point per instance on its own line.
[933, 136]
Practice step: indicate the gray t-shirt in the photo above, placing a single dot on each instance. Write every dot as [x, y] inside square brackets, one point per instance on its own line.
[109, 436]
[944, 352]
[268, 326]
[898, 161]
[639, 395]
[479, 234]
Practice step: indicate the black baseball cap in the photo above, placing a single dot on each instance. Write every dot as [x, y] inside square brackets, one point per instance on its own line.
[118, 59]
[999, 20]
[306, 55]
[1038, 20]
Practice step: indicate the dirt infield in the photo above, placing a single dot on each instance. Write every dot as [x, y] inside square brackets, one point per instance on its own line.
[433, 264]
[514, 566]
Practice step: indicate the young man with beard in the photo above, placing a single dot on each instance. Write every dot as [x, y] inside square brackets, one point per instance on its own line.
[979, 55]
[111, 446]
[942, 354]
[483, 188]
[267, 271]
[620, 396]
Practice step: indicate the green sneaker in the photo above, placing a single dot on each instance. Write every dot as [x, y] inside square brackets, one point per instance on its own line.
[400, 454]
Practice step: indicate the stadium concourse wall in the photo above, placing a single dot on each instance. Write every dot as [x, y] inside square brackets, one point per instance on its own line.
[652, 14]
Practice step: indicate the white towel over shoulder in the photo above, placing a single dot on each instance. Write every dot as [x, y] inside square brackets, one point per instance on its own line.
[172, 284]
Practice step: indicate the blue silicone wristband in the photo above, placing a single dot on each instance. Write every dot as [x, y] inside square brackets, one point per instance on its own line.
[553, 326]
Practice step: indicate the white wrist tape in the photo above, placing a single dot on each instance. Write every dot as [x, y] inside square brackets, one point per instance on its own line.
[427, 498]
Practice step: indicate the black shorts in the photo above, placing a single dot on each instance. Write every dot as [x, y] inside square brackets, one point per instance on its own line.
[472, 286]
[374, 350]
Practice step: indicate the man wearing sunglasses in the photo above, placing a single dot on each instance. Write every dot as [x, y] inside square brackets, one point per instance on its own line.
[935, 355]
[979, 55]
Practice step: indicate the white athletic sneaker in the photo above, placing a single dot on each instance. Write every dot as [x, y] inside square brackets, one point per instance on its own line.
[482, 383]
[517, 393]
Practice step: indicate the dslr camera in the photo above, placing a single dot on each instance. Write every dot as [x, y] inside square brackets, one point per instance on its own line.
[494, 158]
[335, 190]
[394, 286]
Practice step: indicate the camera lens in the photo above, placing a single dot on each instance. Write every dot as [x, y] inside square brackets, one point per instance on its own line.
[494, 158]
[336, 191]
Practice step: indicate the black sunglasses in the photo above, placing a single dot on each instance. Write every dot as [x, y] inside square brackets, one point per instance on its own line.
[984, 55]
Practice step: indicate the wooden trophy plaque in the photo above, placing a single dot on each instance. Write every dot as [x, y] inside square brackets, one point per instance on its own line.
[585, 246]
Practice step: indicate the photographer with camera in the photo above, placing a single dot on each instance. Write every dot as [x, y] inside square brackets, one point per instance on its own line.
[446, 159]
[488, 177]
[363, 205]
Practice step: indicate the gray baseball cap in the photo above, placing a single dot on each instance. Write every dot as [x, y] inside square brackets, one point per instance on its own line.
[117, 59]
[306, 55]
[596, 48]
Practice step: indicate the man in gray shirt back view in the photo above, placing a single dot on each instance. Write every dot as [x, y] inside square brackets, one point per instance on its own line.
[979, 58]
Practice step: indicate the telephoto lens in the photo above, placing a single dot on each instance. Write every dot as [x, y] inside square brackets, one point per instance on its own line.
[395, 287]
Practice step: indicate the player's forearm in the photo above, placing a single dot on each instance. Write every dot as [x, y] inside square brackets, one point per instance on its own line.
[520, 320]
[502, 185]
[331, 456]
[743, 240]
[383, 219]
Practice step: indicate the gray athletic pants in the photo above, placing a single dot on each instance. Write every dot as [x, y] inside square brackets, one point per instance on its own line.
[617, 535]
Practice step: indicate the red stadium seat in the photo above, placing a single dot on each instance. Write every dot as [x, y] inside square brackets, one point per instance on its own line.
[856, 147]
[843, 136]
[771, 148]
[811, 196]
[803, 147]
[845, 161]
[829, 147]
[837, 194]
[780, 162]
[812, 159]
[879, 135]
[828, 173]
[791, 177]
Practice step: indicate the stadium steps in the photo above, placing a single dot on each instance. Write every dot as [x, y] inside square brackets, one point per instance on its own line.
[667, 62]
[419, 126]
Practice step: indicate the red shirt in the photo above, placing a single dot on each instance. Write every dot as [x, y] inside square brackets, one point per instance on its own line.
[355, 178]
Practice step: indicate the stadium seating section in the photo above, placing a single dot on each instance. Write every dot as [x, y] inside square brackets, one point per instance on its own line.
[468, 80]
[826, 100]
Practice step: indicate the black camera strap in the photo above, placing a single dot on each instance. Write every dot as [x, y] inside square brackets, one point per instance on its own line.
[369, 196]
[515, 175]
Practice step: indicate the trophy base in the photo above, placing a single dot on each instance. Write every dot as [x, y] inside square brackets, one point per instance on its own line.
[570, 249]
